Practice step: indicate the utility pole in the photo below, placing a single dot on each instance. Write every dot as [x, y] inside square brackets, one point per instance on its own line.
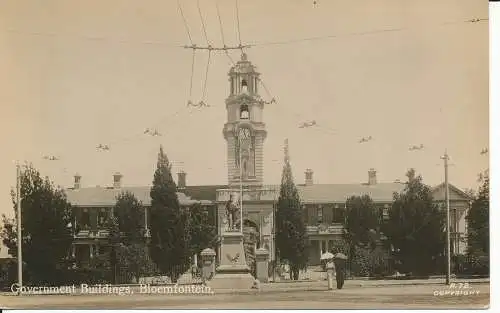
[241, 186]
[19, 235]
[447, 200]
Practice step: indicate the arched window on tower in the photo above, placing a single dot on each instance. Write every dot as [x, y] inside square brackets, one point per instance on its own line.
[244, 113]
[244, 86]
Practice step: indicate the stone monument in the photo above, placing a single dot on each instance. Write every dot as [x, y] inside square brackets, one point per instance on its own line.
[233, 272]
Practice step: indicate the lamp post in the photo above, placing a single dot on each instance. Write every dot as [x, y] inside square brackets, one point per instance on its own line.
[19, 230]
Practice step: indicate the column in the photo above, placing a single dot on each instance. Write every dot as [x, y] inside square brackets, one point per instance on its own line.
[320, 248]
[91, 250]
[208, 263]
[262, 265]
[73, 251]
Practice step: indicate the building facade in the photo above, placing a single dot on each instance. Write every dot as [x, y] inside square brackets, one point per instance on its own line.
[245, 131]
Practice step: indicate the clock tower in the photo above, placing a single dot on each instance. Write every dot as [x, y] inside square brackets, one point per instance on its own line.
[244, 129]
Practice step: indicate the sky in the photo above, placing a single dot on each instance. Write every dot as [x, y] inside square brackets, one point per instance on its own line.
[76, 74]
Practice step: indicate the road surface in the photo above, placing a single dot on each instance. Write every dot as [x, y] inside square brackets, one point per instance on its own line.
[352, 297]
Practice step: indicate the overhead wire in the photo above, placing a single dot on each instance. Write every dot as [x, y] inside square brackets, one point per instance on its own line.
[225, 50]
[238, 24]
[206, 76]
[222, 34]
[254, 44]
[203, 24]
[204, 92]
[185, 22]
[163, 120]
[186, 26]
[363, 33]
[192, 76]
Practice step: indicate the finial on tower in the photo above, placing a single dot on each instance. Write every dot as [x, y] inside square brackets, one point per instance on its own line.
[287, 155]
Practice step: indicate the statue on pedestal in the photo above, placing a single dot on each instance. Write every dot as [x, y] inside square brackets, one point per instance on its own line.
[232, 211]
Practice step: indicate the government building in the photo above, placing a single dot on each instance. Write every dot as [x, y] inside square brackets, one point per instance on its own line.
[245, 132]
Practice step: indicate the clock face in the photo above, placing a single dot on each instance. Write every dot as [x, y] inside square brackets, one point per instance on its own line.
[244, 133]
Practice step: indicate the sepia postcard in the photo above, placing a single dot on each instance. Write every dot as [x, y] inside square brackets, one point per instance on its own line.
[230, 154]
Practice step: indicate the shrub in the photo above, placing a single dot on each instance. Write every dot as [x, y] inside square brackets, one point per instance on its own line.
[361, 262]
[370, 263]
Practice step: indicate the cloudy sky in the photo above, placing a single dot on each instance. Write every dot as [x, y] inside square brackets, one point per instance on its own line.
[76, 74]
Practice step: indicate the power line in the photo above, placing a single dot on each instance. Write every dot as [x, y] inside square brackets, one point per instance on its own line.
[185, 22]
[238, 21]
[396, 29]
[206, 76]
[203, 24]
[94, 38]
[220, 23]
[222, 33]
[240, 46]
[192, 76]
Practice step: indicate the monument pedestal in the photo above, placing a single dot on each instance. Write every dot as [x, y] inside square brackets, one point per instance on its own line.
[233, 272]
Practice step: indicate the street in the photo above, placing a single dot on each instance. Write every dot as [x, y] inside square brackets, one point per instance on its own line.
[352, 297]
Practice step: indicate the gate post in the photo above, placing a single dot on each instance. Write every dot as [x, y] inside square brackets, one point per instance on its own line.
[262, 265]
[208, 261]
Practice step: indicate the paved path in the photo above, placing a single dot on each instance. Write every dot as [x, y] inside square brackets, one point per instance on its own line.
[352, 297]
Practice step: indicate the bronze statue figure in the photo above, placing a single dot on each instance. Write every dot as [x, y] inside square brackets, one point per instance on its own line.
[231, 213]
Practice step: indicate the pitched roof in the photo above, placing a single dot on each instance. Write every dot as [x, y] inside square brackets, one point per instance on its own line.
[203, 192]
[207, 194]
[381, 192]
[104, 196]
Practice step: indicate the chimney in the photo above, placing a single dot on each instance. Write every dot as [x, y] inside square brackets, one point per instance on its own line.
[117, 180]
[181, 180]
[309, 177]
[78, 179]
[372, 177]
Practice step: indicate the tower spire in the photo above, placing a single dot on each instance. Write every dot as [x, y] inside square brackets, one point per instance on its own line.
[287, 154]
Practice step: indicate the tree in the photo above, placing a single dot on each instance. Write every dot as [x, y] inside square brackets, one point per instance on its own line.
[291, 236]
[169, 223]
[202, 233]
[132, 252]
[478, 223]
[361, 220]
[134, 257]
[46, 215]
[130, 213]
[416, 228]
[362, 232]
[108, 261]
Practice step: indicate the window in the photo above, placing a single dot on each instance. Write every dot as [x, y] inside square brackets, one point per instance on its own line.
[338, 214]
[101, 217]
[385, 212]
[244, 112]
[85, 218]
[320, 214]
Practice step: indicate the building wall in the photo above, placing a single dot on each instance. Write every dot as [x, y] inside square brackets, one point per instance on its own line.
[92, 239]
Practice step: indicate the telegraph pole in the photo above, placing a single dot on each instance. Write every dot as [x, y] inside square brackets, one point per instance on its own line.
[447, 200]
[241, 186]
[19, 235]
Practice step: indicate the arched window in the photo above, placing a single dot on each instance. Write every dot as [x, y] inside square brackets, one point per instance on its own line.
[244, 113]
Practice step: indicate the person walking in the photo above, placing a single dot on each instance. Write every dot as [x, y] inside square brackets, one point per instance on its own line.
[340, 262]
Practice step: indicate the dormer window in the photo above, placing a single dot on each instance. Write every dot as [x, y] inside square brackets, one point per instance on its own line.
[244, 113]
